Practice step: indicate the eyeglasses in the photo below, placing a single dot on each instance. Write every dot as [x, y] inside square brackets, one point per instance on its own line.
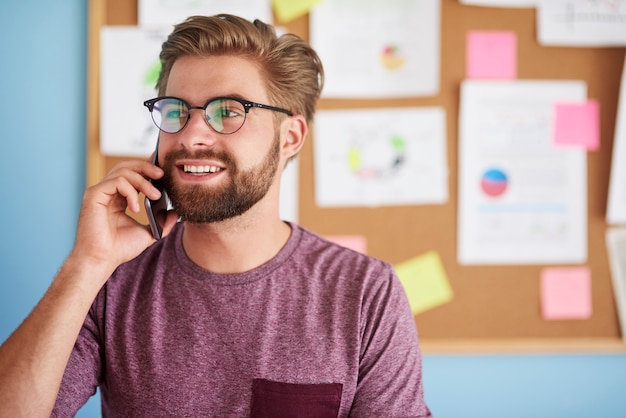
[225, 115]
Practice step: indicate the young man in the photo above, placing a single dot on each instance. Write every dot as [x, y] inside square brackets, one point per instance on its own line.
[234, 312]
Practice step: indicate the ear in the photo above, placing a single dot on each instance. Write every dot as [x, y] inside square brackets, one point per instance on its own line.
[293, 134]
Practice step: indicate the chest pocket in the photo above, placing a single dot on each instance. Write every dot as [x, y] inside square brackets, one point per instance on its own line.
[289, 400]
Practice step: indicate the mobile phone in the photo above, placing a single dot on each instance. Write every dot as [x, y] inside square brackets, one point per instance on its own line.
[157, 209]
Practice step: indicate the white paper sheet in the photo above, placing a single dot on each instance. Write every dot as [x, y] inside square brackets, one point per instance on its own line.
[616, 249]
[378, 49]
[501, 3]
[289, 192]
[616, 208]
[521, 199]
[171, 12]
[582, 22]
[375, 157]
[129, 67]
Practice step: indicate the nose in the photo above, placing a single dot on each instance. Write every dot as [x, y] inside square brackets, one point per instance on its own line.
[197, 133]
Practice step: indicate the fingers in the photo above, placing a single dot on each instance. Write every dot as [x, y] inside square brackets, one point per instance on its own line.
[170, 221]
[130, 178]
[122, 187]
[106, 234]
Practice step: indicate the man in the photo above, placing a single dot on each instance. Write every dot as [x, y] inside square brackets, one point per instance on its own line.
[234, 312]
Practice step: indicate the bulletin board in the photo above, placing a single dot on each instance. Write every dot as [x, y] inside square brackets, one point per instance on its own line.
[495, 308]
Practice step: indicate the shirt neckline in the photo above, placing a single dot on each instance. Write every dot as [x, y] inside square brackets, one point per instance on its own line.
[192, 270]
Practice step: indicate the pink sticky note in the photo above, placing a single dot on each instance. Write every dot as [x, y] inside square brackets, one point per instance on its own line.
[566, 293]
[491, 55]
[354, 242]
[577, 124]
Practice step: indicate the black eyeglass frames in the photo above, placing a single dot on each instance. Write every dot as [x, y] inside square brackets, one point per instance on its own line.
[225, 115]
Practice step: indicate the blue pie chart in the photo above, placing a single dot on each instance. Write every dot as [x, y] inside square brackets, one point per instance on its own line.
[494, 182]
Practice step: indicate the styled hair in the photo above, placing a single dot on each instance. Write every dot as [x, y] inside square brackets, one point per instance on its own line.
[292, 69]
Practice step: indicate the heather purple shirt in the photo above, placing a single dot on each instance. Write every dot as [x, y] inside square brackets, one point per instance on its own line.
[319, 330]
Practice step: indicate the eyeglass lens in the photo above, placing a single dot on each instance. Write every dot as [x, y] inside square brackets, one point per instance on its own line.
[225, 116]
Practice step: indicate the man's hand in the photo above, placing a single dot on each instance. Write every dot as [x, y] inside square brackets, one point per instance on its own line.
[34, 357]
[106, 234]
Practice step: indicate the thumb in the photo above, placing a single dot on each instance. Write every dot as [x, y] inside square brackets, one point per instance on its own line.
[171, 220]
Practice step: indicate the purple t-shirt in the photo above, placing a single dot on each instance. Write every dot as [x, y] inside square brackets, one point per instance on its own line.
[319, 330]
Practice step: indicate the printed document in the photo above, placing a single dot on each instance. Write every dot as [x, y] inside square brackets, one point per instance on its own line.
[591, 23]
[616, 249]
[616, 209]
[378, 49]
[380, 157]
[502, 3]
[171, 12]
[522, 199]
[129, 68]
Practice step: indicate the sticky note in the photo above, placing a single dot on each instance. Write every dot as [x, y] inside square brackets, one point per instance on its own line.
[425, 282]
[566, 293]
[354, 242]
[287, 10]
[491, 55]
[577, 124]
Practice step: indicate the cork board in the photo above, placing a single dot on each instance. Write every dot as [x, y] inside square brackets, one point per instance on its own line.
[493, 306]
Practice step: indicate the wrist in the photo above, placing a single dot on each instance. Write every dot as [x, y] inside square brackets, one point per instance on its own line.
[87, 273]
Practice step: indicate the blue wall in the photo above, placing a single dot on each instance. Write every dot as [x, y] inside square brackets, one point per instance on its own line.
[42, 131]
[42, 169]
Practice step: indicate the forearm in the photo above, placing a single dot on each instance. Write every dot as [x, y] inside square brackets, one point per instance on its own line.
[34, 357]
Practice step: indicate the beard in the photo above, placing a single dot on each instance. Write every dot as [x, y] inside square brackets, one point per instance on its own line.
[201, 204]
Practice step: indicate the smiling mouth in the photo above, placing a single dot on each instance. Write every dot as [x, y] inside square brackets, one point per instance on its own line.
[201, 169]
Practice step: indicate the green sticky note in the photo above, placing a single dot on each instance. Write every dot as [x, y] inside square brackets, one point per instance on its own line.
[425, 282]
[287, 10]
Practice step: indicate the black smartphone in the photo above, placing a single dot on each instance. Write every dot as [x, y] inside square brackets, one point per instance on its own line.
[157, 209]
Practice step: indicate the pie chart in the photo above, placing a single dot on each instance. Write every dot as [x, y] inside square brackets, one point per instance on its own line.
[494, 182]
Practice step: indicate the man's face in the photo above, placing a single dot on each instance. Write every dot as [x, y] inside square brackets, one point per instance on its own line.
[197, 203]
[209, 176]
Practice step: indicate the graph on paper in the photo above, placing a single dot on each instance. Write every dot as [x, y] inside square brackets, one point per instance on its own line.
[376, 157]
[582, 22]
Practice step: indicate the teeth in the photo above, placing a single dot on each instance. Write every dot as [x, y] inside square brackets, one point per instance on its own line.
[201, 169]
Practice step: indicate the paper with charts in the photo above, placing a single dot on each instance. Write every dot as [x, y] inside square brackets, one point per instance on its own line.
[501, 3]
[616, 206]
[171, 12]
[129, 68]
[616, 249]
[591, 23]
[522, 199]
[378, 49]
[383, 156]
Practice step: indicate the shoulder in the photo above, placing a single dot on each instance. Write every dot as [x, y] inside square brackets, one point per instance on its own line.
[321, 256]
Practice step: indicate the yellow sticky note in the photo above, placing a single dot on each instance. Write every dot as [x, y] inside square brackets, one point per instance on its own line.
[287, 10]
[425, 282]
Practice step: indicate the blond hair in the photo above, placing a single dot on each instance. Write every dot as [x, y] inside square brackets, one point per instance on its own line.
[293, 70]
